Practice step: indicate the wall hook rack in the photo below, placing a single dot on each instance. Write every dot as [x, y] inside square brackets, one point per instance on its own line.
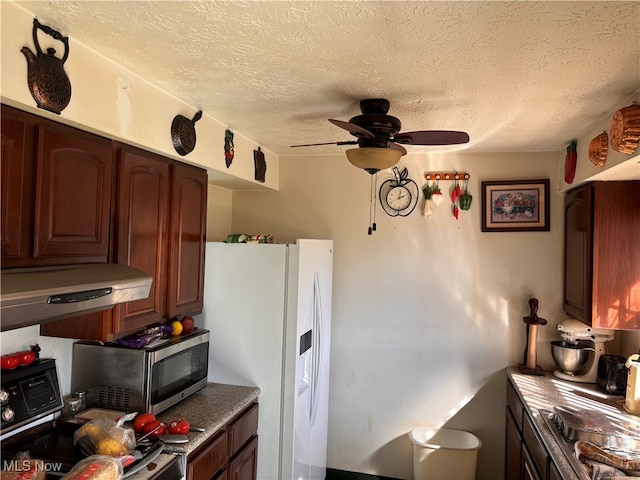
[447, 176]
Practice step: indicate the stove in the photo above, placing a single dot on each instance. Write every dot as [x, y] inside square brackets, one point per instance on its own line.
[32, 392]
[29, 393]
[566, 446]
[613, 432]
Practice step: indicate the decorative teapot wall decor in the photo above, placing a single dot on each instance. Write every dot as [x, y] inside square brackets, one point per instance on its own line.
[49, 84]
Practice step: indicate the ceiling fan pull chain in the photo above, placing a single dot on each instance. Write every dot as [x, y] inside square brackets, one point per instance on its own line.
[373, 201]
[372, 224]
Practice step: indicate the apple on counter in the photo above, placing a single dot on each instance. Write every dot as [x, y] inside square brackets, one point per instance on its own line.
[188, 324]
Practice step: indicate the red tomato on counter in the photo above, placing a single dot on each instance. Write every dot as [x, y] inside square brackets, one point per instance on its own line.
[141, 420]
[179, 426]
[162, 428]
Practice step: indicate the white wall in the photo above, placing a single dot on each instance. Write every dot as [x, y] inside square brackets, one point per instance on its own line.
[427, 313]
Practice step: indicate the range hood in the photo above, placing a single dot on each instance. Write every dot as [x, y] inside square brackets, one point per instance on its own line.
[30, 296]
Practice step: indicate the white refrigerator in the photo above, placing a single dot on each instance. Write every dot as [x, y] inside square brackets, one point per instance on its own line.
[268, 307]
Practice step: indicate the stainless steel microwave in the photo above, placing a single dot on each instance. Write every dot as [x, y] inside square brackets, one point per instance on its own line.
[150, 379]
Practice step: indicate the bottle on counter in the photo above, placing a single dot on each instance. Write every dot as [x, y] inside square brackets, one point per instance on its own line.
[82, 396]
[71, 407]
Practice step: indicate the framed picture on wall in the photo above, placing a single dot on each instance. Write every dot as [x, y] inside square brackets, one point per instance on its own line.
[515, 206]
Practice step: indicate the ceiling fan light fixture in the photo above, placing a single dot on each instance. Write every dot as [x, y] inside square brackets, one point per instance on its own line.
[373, 159]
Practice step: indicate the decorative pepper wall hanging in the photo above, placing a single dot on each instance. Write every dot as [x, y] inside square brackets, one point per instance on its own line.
[460, 199]
[48, 82]
[259, 164]
[570, 162]
[228, 147]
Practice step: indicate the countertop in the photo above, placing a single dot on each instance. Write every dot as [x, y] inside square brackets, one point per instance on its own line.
[548, 391]
[211, 408]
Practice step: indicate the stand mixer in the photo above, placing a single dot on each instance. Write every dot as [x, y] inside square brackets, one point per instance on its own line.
[578, 352]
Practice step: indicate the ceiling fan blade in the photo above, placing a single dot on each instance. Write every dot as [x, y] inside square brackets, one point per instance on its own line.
[350, 142]
[353, 128]
[432, 137]
[398, 147]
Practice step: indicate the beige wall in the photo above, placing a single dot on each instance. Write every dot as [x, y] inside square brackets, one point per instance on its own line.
[427, 313]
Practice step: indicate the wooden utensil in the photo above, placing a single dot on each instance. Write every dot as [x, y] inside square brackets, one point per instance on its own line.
[530, 367]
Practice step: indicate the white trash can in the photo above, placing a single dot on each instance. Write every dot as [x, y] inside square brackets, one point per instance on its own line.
[444, 454]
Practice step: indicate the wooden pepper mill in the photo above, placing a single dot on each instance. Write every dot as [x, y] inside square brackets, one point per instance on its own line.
[530, 367]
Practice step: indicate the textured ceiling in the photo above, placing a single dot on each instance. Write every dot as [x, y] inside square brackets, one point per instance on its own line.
[517, 76]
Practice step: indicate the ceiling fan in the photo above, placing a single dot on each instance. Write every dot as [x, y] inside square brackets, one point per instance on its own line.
[380, 142]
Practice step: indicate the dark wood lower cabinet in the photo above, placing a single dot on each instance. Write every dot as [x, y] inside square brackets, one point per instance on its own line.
[230, 455]
[207, 462]
[526, 457]
[245, 465]
[513, 445]
[554, 474]
[529, 471]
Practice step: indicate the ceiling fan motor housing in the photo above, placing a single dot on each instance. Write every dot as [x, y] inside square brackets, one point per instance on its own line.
[374, 118]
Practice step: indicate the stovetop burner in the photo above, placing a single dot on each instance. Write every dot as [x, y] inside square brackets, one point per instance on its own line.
[52, 442]
[32, 392]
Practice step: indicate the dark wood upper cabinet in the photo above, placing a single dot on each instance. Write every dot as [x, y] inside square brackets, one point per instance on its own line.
[577, 253]
[187, 240]
[69, 196]
[15, 204]
[72, 195]
[142, 232]
[56, 193]
[601, 257]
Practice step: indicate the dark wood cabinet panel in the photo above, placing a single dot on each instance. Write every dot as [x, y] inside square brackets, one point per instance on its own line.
[526, 457]
[529, 471]
[616, 256]
[57, 189]
[243, 429]
[15, 204]
[245, 465]
[206, 463]
[535, 448]
[554, 474]
[232, 455]
[72, 195]
[602, 258]
[142, 233]
[187, 236]
[69, 196]
[513, 445]
[577, 254]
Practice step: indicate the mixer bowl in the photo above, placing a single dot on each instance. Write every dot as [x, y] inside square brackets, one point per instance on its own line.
[572, 358]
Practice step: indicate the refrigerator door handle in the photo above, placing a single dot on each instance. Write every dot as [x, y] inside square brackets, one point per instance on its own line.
[316, 348]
